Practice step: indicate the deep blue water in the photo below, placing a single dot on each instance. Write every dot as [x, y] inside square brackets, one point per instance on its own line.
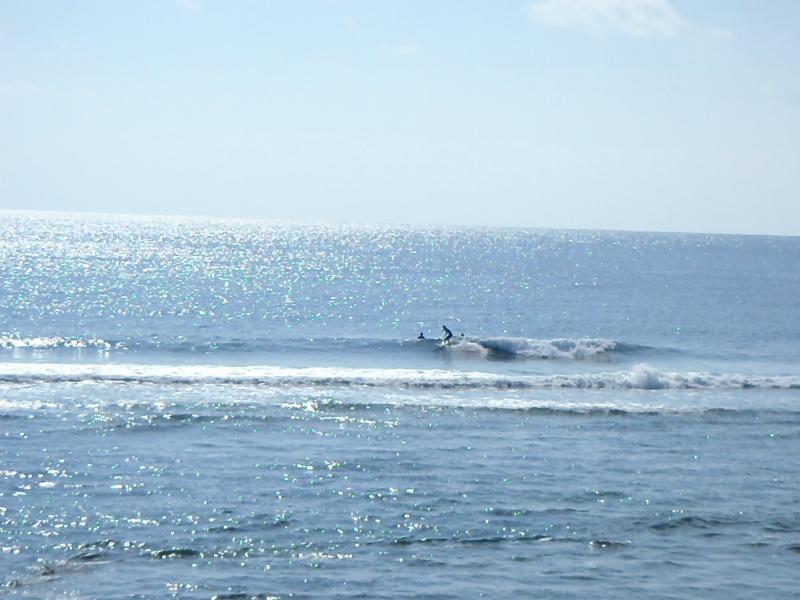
[198, 409]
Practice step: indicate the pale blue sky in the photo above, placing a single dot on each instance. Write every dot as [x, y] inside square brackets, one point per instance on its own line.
[670, 115]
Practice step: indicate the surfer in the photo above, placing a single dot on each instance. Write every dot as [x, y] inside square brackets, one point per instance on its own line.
[421, 337]
[447, 335]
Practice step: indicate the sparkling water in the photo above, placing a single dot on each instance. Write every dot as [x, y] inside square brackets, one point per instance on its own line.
[226, 409]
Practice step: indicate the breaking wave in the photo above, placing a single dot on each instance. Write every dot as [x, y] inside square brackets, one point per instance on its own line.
[558, 348]
[491, 348]
[640, 378]
[12, 342]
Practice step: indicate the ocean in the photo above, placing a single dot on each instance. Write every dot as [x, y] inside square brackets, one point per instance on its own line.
[197, 408]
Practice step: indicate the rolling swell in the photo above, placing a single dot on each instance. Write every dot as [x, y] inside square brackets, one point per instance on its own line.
[491, 348]
[556, 348]
[640, 378]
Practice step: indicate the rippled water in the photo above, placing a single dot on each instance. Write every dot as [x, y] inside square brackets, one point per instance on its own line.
[198, 409]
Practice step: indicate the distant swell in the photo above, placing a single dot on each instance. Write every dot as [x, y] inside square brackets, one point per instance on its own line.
[641, 378]
[491, 348]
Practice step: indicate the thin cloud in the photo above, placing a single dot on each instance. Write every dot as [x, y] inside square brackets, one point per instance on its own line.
[720, 35]
[20, 89]
[407, 49]
[190, 4]
[637, 18]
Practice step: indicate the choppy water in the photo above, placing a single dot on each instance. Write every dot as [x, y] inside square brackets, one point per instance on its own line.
[198, 409]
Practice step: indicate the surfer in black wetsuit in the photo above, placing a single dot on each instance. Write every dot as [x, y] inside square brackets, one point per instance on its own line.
[421, 336]
[447, 335]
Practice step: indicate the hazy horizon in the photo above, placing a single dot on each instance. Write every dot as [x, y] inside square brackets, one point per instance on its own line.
[630, 115]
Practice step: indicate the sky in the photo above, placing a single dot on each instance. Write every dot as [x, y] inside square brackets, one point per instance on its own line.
[651, 115]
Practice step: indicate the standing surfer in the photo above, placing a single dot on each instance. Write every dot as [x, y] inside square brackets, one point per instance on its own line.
[447, 335]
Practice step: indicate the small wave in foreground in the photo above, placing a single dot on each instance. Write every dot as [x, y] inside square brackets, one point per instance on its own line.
[640, 378]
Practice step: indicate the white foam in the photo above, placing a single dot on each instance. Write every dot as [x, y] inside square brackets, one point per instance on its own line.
[12, 342]
[556, 348]
[642, 377]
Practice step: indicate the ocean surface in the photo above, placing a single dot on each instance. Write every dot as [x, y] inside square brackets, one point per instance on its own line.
[237, 410]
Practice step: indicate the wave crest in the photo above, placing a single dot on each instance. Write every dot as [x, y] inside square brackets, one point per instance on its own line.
[642, 377]
[13, 342]
[557, 348]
